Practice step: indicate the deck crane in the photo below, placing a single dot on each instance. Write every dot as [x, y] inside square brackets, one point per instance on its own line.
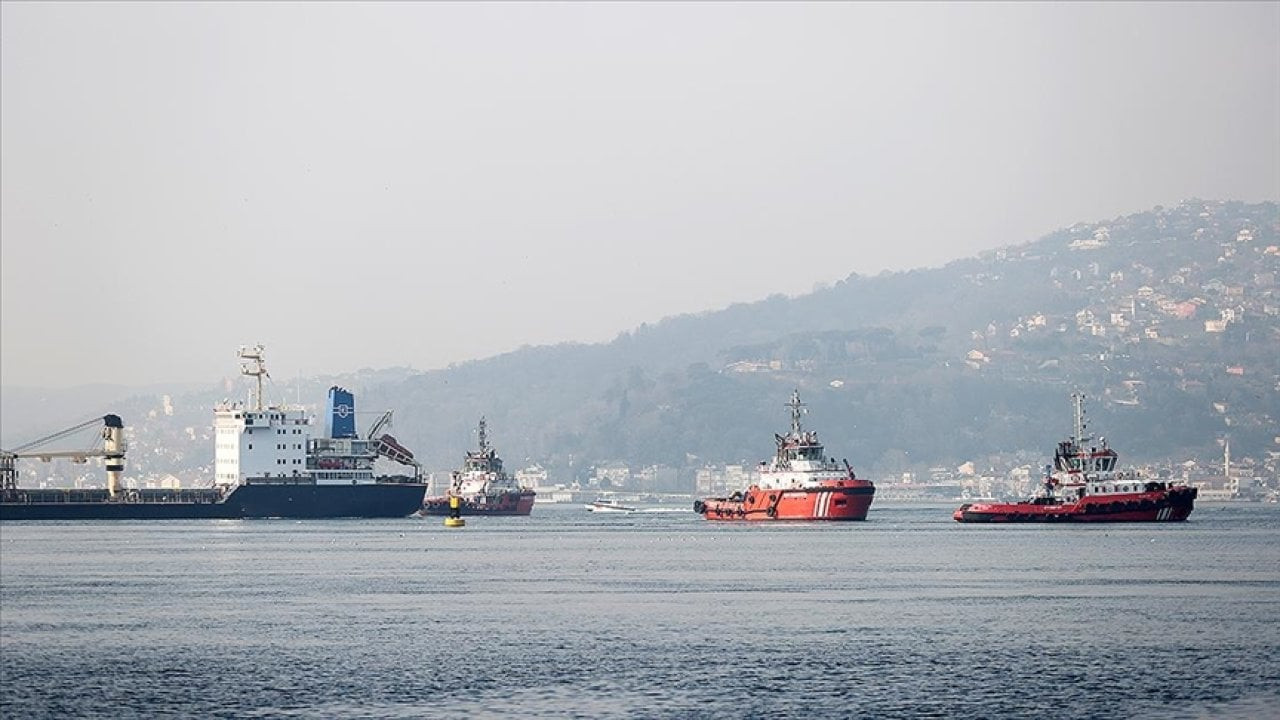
[389, 448]
[111, 450]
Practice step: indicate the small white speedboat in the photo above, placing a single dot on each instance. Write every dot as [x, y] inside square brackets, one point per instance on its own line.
[609, 506]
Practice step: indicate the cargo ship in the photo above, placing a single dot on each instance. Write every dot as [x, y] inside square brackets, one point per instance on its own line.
[482, 486]
[1085, 485]
[799, 483]
[267, 465]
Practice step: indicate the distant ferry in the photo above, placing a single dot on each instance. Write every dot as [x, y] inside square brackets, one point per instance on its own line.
[266, 462]
[483, 487]
[1083, 485]
[800, 483]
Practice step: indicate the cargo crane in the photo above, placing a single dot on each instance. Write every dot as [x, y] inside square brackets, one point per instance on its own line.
[112, 451]
[389, 448]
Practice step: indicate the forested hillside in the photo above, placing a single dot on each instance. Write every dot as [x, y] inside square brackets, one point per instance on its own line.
[1168, 319]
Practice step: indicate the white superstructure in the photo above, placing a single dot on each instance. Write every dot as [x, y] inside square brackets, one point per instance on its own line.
[1082, 468]
[259, 443]
[254, 441]
[481, 472]
[262, 443]
[800, 461]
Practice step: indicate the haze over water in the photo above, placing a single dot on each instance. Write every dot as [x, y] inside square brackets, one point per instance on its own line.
[572, 614]
[419, 184]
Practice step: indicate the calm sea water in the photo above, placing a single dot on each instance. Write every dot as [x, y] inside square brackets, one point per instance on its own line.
[652, 615]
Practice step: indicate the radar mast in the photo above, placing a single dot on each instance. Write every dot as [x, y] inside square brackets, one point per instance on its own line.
[254, 365]
[797, 409]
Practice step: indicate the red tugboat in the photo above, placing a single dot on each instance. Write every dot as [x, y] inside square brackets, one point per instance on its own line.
[1083, 485]
[483, 487]
[800, 483]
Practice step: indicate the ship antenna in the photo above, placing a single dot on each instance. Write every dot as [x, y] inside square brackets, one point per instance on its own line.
[254, 366]
[484, 441]
[797, 409]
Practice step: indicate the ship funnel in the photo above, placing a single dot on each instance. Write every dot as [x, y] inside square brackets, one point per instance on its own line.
[340, 415]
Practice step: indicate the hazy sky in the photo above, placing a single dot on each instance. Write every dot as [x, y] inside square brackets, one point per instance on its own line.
[362, 185]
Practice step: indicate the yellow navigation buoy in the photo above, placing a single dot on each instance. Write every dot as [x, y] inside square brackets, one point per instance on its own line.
[455, 513]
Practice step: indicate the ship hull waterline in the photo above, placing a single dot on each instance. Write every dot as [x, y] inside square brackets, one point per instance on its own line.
[1171, 506]
[284, 500]
[503, 505]
[849, 503]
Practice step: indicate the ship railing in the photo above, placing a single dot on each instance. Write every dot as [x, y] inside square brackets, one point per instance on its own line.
[280, 480]
[60, 496]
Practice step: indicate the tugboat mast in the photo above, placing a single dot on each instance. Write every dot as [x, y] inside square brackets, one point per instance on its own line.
[484, 440]
[797, 409]
[254, 366]
[1077, 400]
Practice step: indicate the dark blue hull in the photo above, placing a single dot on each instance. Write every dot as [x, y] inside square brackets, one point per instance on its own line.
[383, 500]
[282, 500]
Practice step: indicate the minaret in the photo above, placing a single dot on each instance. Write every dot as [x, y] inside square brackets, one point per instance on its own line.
[1226, 462]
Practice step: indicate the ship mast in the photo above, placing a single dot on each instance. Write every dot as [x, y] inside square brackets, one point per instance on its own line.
[1077, 400]
[254, 366]
[484, 440]
[797, 409]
